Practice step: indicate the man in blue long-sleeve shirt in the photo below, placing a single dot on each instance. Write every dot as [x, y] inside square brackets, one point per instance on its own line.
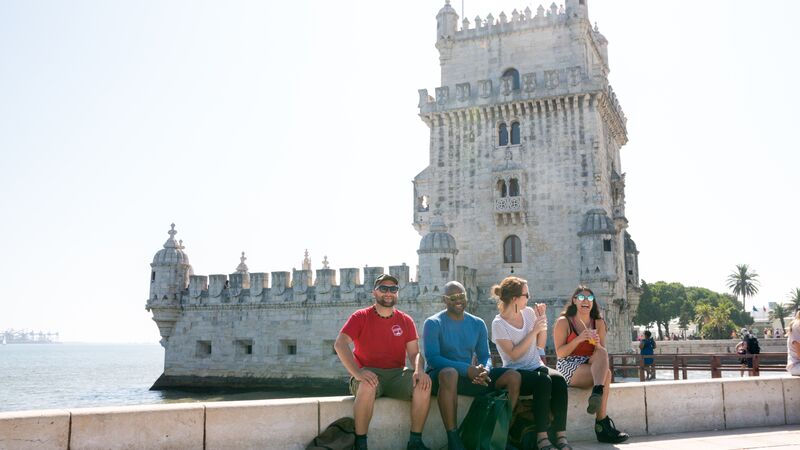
[457, 350]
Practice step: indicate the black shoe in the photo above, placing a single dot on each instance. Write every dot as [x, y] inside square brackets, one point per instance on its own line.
[594, 402]
[416, 446]
[608, 433]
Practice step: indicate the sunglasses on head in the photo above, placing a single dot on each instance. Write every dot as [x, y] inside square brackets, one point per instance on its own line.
[384, 289]
[582, 297]
[456, 297]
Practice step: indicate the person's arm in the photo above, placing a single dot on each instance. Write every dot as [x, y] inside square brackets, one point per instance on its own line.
[482, 345]
[431, 335]
[560, 333]
[342, 347]
[600, 326]
[418, 362]
[653, 342]
[641, 344]
[518, 350]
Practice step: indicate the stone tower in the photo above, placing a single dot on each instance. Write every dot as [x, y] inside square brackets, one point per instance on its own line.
[524, 166]
[169, 276]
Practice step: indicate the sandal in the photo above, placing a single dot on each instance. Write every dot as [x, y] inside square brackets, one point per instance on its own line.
[563, 444]
[549, 446]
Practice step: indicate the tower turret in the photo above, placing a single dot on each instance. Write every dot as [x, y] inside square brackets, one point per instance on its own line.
[169, 276]
[170, 270]
[437, 258]
[446, 26]
[577, 8]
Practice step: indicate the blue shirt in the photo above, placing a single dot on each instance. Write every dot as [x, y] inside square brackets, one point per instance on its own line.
[648, 344]
[451, 343]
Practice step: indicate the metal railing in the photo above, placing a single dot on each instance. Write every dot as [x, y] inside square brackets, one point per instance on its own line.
[716, 363]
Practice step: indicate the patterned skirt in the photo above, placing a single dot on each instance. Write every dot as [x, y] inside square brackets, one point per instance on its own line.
[567, 366]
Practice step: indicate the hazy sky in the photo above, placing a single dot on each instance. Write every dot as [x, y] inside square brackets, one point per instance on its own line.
[272, 127]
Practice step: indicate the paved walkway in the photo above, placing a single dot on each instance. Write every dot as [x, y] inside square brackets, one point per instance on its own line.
[773, 438]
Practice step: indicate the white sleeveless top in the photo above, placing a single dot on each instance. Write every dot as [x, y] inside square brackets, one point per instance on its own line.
[504, 330]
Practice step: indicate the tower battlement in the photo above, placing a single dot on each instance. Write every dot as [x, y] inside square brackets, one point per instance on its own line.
[481, 27]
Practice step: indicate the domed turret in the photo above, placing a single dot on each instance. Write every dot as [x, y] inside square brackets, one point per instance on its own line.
[598, 247]
[170, 270]
[437, 240]
[437, 258]
[446, 22]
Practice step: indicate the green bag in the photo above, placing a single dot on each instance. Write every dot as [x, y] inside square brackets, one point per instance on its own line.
[486, 425]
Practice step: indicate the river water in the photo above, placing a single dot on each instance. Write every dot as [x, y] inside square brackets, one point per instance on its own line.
[51, 376]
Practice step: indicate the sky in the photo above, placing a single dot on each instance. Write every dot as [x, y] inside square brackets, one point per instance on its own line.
[275, 127]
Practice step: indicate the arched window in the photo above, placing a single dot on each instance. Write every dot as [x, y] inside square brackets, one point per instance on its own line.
[512, 250]
[514, 133]
[513, 188]
[501, 188]
[503, 133]
[514, 74]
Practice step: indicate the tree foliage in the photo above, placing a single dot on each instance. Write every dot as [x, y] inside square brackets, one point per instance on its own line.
[715, 314]
[744, 282]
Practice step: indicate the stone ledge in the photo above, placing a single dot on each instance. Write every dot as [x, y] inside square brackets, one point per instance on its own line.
[637, 408]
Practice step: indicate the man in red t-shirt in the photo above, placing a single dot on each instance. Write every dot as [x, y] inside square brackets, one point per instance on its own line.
[383, 337]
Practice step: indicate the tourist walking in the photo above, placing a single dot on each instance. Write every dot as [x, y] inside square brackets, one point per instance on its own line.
[579, 336]
[520, 333]
[451, 339]
[647, 346]
[383, 337]
[793, 345]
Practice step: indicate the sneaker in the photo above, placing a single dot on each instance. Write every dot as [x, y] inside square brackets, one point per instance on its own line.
[594, 402]
[608, 433]
[419, 445]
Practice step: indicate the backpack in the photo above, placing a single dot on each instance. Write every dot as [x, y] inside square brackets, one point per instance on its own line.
[752, 346]
[340, 435]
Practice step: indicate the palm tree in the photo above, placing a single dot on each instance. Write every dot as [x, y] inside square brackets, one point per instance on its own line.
[743, 282]
[778, 312]
[794, 299]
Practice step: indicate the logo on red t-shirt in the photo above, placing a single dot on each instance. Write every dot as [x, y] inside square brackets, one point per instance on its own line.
[396, 330]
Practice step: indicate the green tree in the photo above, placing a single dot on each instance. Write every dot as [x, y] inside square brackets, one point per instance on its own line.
[779, 312]
[703, 312]
[794, 299]
[719, 324]
[743, 282]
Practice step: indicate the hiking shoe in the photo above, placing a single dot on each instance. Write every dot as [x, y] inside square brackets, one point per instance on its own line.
[594, 402]
[419, 445]
[608, 433]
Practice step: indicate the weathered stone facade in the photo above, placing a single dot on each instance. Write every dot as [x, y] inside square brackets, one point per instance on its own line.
[524, 178]
[525, 138]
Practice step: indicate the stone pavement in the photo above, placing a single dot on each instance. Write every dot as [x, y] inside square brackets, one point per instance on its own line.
[773, 438]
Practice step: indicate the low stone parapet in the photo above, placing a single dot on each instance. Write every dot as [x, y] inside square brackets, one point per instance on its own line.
[639, 408]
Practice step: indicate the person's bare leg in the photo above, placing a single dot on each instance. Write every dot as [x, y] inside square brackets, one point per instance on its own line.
[582, 378]
[601, 412]
[448, 397]
[599, 363]
[420, 404]
[510, 381]
[363, 406]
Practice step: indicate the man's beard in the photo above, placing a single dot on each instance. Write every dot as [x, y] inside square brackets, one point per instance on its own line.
[386, 302]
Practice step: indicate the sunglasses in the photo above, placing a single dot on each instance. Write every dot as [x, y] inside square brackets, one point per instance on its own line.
[384, 289]
[582, 297]
[526, 295]
[456, 297]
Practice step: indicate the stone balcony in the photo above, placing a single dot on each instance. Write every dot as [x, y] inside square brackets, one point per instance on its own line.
[509, 211]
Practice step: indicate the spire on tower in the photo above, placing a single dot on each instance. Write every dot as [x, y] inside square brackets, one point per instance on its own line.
[242, 267]
[306, 262]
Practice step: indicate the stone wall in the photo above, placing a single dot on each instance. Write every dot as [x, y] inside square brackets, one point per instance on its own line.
[638, 408]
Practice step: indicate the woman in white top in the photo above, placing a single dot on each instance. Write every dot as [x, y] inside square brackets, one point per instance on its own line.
[520, 333]
[793, 345]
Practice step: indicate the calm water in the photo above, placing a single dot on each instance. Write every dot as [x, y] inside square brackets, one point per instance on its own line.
[47, 376]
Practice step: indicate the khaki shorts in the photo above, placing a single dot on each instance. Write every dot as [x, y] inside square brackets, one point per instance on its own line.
[392, 383]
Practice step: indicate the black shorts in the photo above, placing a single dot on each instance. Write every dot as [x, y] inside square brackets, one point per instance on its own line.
[465, 385]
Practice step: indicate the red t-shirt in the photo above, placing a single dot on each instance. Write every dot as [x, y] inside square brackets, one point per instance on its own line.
[380, 342]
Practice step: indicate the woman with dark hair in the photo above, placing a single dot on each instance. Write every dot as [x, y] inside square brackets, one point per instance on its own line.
[579, 336]
[520, 333]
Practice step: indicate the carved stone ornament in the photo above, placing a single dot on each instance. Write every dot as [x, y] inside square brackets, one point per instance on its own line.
[442, 95]
[574, 75]
[485, 88]
[462, 92]
[423, 97]
[529, 82]
[508, 84]
[551, 77]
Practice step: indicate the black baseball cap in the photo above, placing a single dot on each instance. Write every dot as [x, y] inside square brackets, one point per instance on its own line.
[384, 277]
